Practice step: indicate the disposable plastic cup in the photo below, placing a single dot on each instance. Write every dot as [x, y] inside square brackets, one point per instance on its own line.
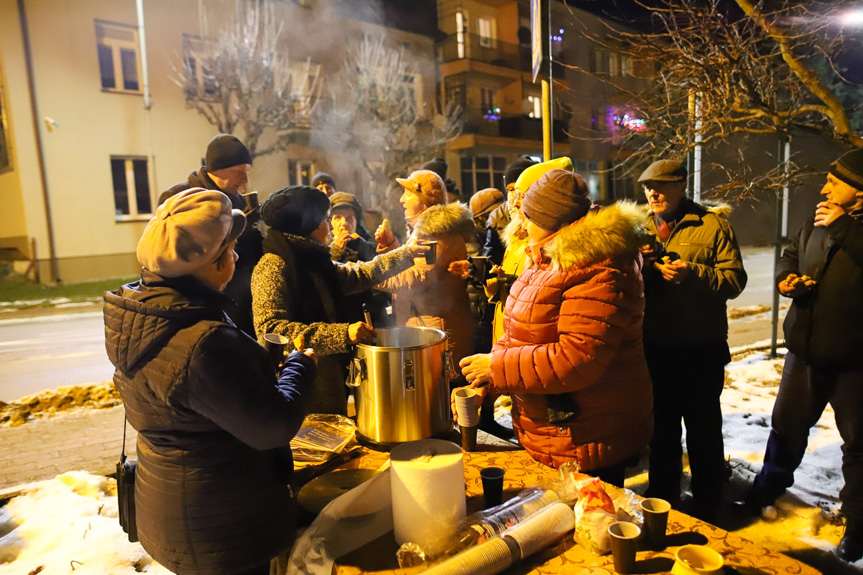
[624, 537]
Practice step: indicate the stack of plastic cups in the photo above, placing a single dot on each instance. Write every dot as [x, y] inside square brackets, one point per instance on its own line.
[467, 413]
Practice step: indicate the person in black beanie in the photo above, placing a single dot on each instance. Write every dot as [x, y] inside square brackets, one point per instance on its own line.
[324, 182]
[227, 164]
[500, 217]
[439, 166]
[822, 272]
[298, 291]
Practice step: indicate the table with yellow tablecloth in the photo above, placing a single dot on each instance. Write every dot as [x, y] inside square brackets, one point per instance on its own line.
[741, 556]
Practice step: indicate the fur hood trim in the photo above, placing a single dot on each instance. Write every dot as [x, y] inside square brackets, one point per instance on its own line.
[719, 209]
[601, 234]
[444, 219]
[507, 236]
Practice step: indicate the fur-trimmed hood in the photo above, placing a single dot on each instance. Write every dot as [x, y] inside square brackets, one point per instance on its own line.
[601, 234]
[444, 219]
[511, 232]
[719, 209]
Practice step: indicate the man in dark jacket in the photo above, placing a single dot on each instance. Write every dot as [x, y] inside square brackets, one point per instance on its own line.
[693, 267]
[822, 272]
[214, 424]
[226, 169]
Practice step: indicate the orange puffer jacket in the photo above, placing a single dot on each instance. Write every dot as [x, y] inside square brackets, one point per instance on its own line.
[572, 325]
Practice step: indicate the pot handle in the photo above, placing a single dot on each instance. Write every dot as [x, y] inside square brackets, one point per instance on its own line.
[449, 368]
[357, 372]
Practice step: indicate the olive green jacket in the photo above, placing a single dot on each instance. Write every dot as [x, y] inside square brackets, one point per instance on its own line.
[692, 313]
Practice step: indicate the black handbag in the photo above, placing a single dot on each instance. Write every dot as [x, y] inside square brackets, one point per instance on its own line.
[126, 470]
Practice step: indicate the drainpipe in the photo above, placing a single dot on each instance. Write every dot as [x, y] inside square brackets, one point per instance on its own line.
[145, 76]
[40, 151]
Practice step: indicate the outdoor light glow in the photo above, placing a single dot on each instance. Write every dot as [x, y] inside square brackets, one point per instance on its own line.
[493, 115]
[631, 123]
[853, 18]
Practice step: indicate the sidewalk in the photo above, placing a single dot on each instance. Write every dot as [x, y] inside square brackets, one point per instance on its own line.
[87, 440]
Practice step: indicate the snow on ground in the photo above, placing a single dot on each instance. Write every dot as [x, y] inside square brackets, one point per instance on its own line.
[73, 518]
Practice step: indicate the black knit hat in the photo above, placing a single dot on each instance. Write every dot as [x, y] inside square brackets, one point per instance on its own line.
[515, 169]
[297, 210]
[557, 199]
[226, 151]
[438, 166]
[849, 168]
[323, 178]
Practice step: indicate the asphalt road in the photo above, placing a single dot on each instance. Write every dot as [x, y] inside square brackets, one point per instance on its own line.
[51, 351]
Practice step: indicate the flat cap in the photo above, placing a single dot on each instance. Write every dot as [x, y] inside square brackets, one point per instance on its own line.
[664, 171]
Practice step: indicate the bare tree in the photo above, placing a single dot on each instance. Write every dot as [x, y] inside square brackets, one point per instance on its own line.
[241, 80]
[739, 68]
[375, 112]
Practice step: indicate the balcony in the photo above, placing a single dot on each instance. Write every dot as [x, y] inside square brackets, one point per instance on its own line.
[516, 126]
[488, 50]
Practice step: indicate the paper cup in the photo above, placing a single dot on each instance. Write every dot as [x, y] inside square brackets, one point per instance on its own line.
[467, 407]
[624, 537]
[492, 485]
[275, 345]
[655, 512]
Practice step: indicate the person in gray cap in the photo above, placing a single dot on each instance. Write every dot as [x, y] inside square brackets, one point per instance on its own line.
[692, 267]
[822, 272]
[226, 169]
[214, 420]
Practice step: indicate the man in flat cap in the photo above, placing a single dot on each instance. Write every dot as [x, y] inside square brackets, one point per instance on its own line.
[692, 268]
[822, 272]
[226, 169]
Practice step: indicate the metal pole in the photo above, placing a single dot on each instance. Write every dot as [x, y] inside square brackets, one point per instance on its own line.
[546, 120]
[145, 76]
[696, 167]
[781, 233]
[40, 148]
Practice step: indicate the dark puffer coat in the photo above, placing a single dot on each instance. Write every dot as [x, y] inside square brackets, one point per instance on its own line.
[213, 425]
[823, 326]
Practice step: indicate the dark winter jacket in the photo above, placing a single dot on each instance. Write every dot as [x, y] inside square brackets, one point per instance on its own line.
[823, 326]
[249, 249]
[213, 427]
[299, 291]
[572, 329]
[361, 250]
[692, 313]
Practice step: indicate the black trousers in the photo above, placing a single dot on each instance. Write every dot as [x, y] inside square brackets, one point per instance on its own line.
[687, 384]
[804, 392]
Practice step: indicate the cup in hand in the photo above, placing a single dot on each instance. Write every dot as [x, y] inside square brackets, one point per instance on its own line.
[467, 416]
[655, 512]
[431, 254]
[275, 345]
[252, 201]
[624, 536]
[492, 485]
[480, 266]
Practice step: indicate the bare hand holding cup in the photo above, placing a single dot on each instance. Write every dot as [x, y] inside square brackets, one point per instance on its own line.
[477, 369]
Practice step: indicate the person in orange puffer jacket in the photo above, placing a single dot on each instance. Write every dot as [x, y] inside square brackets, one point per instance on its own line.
[571, 355]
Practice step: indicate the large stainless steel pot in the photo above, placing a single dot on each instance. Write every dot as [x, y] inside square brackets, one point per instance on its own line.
[402, 386]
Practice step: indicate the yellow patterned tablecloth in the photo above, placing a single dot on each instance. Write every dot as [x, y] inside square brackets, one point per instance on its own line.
[741, 556]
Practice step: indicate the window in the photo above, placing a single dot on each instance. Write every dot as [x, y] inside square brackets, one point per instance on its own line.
[486, 99]
[410, 91]
[625, 66]
[480, 172]
[454, 92]
[119, 62]
[460, 33]
[534, 104]
[486, 32]
[590, 172]
[299, 173]
[200, 82]
[131, 178]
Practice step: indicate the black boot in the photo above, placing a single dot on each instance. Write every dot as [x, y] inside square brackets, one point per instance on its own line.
[851, 547]
[757, 498]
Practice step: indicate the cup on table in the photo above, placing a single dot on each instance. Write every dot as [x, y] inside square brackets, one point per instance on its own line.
[492, 485]
[431, 255]
[275, 345]
[655, 512]
[697, 560]
[467, 416]
[624, 536]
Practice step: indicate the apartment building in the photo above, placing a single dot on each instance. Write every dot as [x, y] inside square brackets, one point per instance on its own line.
[485, 68]
[84, 154]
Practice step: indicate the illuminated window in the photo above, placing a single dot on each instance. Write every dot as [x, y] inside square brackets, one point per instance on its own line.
[299, 173]
[486, 32]
[131, 178]
[535, 106]
[460, 33]
[119, 59]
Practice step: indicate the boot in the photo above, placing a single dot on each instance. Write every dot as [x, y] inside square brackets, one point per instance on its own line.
[754, 502]
[850, 549]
